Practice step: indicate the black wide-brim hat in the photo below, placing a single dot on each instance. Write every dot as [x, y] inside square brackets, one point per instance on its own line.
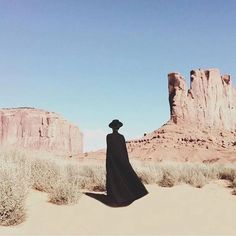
[115, 124]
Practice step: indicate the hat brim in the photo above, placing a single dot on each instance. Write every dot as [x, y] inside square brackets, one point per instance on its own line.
[115, 125]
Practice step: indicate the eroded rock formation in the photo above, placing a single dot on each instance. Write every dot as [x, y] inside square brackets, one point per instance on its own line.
[202, 125]
[210, 101]
[40, 130]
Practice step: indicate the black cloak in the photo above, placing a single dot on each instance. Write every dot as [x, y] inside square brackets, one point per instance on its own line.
[122, 183]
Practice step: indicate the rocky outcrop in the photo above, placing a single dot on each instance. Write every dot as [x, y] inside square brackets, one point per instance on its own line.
[40, 130]
[210, 101]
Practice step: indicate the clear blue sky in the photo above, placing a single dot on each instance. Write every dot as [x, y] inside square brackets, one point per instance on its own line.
[96, 60]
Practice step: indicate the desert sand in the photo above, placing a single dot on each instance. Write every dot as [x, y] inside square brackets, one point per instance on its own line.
[180, 210]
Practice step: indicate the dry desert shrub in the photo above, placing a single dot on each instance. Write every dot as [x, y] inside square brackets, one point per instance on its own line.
[168, 180]
[195, 174]
[44, 173]
[227, 172]
[14, 187]
[233, 180]
[149, 174]
[59, 178]
[17, 157]
[163, 174]
[93, 177]
[66, 189]
[168, 174]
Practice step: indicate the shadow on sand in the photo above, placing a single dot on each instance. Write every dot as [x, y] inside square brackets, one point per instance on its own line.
[106, 200]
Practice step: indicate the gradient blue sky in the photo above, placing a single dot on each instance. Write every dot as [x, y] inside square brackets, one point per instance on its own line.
[96, 60]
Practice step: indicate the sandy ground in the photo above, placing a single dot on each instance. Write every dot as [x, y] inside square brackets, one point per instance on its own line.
[181, 210]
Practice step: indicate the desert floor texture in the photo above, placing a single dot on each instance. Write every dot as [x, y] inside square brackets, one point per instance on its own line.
[180, 210]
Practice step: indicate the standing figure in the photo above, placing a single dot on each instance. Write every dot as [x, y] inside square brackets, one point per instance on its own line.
[122, 183]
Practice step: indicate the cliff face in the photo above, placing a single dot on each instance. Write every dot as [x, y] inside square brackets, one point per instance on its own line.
[210, 101]
[39, 130]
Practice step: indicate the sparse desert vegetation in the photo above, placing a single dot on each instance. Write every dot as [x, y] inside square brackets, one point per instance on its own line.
[14, 186]
[93, 177]
[21, 170]
[168, 174]
[64, 180]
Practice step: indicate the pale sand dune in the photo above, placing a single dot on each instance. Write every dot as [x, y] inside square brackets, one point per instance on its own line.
[181, 210]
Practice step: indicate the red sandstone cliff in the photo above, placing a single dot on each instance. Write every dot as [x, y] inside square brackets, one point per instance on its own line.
[40, 130]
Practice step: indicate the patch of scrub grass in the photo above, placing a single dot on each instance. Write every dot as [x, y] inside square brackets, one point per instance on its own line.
[14, 187]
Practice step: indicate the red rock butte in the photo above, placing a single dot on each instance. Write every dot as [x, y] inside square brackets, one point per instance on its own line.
[210, 101]
[202, 124]
[39, 130]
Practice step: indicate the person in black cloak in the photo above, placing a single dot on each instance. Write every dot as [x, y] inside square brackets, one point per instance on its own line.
[122, 183]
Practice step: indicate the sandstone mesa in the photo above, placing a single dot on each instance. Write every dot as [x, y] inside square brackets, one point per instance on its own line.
[39, 130]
